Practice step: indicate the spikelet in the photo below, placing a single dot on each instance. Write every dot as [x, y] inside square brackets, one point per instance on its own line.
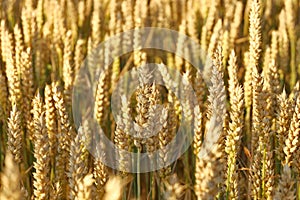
[10, 180]
[41, 151]
[15, 134]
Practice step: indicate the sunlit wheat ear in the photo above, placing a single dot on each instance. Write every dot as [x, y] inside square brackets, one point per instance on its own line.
[233, 141]
[96, 21]
[77, 165]
[51, 119]
[64, 136]
[235, 25]
[15, 134]
[27, 85]
[122, 138]
[207, 28]
[10, 180]
[127, 11]
[209, 165]
[254, 48]
[140, 13]
[294, 94]
[233, 74]
[100, 172]
[19, 46]
[68, 70]
[256, 132]
[191, 21]
[101, 98]
[12, 73]
[286, 185]
[3, 97]
[215, 37]
[290, 22]
[271, 87]
[258, 107]
[292, 141]
[41, 151]
[198, 130]
[275, 46]
[283, 120]
[283, 41]
[59, 29]
[163, 140]
[3, 38]
[144, 92]
[79, 56]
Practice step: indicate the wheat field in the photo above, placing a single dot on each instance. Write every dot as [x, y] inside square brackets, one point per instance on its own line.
[248, 96]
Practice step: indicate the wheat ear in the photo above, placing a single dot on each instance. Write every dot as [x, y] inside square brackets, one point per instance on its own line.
[41, 151]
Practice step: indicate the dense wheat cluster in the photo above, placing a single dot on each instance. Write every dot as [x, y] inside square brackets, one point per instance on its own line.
[248, 100]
